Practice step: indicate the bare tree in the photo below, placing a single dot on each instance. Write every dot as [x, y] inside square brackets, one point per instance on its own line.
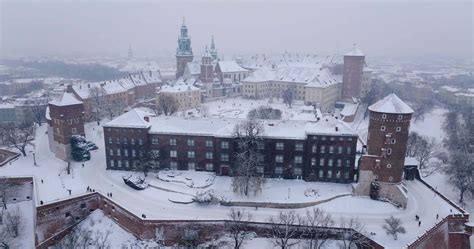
[461, 172]
[248, 157]
[284, 229]
[13, 221]
[393, 227]
[102, 239]
[315, 227]
[425, 150]
[113, 107]
[288, 97]
[167, 104]
[18, 135]
[237, 228]
[354, 234]
[204, 111]
[37, 108]
[97, 95]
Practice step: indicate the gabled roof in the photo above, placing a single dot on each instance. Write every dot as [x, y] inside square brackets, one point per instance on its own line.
[230, 66]
[134, 118]
[355, 52]
[66, 99]
[391, 104]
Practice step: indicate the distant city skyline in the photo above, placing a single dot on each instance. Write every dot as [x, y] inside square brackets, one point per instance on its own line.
[86, 28]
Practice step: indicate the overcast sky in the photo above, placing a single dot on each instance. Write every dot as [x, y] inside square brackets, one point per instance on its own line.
[88, 28]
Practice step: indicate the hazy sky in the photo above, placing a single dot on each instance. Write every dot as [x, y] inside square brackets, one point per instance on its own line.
[380, 28]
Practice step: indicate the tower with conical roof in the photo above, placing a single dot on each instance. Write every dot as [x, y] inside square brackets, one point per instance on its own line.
[352, 74]
[383, 165]
[213, 50]
[184, 51]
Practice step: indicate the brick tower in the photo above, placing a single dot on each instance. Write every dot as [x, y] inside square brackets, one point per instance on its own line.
[389, 122]
[207, 71]
[65, 118]
[184, 52]
[352, 73]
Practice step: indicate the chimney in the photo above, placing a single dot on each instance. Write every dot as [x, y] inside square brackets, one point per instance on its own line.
[69, 89]
[146, 118]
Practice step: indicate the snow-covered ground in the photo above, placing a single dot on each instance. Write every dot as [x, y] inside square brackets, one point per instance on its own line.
[154, 202]
[25, 237]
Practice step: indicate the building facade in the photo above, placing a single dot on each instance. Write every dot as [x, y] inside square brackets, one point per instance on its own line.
[186, 96]
[384, 162]
[353, 75]
[314, 151]
[65, 117]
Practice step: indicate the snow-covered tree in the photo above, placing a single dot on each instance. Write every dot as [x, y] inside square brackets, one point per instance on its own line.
[167, 104]
[288, 97]
[19, 135]
[285, 229]
[264, 112]
[97, 95]
[248, 135]
[393, 227]
[426, 151]
[354, 234]
[460, 172]
[237, 229]
[315, 224]
[79, 148]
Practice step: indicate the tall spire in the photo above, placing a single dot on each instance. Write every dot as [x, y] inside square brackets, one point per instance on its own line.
[184, 21]
[213, 46]
[213, 50]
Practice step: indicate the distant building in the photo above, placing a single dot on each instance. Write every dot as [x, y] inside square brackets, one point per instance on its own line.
[187, 96]
[353, 74]
[383, 164]
[313, 151]
[19, 86]
[457, 96]
[65, 117]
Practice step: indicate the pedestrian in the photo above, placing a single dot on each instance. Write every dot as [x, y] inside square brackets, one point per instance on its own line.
[419, 223]
[83, 165]
[437, 216]
[41, 180]
[69, 191]
[87, 188]
[110, 194]
[417, 217]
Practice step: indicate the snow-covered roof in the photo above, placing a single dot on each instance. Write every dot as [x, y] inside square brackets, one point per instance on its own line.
[178, 88]
[354, 52]
[450, 88]
[134, 118]
[312, 77]
[411, 161]
[65, 100]
[230, 67]
[193, 68]
[222, 127]
[261, 61]
[391, 104]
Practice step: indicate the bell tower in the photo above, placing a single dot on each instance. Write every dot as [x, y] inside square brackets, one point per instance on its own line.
[206, 67]
[184, 52]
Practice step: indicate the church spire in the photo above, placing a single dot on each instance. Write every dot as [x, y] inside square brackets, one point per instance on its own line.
[213, 46]
[213, 50]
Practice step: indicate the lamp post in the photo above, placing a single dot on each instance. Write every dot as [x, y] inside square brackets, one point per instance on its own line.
[34, 159]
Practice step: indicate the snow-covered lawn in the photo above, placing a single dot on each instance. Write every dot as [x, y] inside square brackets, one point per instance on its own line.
[154, 201]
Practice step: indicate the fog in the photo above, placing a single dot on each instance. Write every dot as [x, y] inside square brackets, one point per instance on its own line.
[106, 28]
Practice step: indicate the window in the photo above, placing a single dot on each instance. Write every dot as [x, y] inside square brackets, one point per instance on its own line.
[110, 140]
[125, 152]
[298, 171]
[338, 174]
[172, 141]
[400, 117]
[209, 166]
[119, 164]
[331, 138]
[393, 140]
[111, 152]
[135, 163]
[299, 147]
[173, 165]
[323, 138]
[313, 148]
[124, 140]
[321, 173]
[349, 139]
[132, 140]
[313, 161]
[117, 140]
[298, 159]
[398, 129]
[127, 164]
[155, 140]
[209, 155]
[140, 141]
[133, 153]
[330, 162]
[346, 175]
[279, 158]
[384, 116]
[191, 166]
[339, 162]
[331, 149]
[118, 152]
[209, 143]
[155, 153]
[279, 146]
[389, 151]
[224, 145]
[329, 173]
[278, 170]
[261, 146]
[190, 154]
[74, 130]
[322, 149]
[382, 128]
[321, 162]
[140, 153]
[190, 142]
[173, 153]
[224, 157]
[339, 150]
[389, 166]
[112, 163]
[348, 163]
[260, 169]
[349, 150]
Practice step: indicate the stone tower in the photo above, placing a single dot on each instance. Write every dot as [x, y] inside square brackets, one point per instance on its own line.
[65, 117]
[213, 50]
[352, 73]
[184, 52]
[207, 71]
[389, 123]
